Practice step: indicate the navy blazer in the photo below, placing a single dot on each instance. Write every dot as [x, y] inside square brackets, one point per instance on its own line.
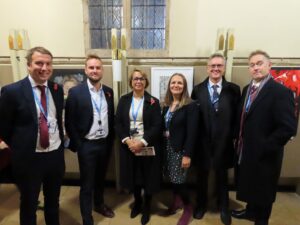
[19, 119]
[183, 128]
[79, 114]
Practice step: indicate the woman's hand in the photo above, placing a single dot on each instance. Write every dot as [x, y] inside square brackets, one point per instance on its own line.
[136, 146]
[186, 162]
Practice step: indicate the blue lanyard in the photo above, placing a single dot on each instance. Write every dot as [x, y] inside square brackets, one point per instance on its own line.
[168, 117]
[98, 109]
[134, 114]
[38, 101]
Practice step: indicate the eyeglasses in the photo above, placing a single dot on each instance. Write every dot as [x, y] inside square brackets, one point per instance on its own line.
[216, 66]
[139, 78]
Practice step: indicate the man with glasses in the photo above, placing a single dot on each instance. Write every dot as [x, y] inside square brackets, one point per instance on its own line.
[267, 122]
[218, 102]
[89, 123]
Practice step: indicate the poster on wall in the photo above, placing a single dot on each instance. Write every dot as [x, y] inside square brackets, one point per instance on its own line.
[68, 78]
[160, 78]
[289, 77]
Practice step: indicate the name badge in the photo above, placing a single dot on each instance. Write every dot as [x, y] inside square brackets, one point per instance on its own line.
[52, 126]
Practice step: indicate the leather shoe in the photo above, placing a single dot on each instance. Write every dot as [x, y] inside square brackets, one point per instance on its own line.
[225, 217]
[261, 222]
[104, 210]
[136, 210]
[199, 213]
[242, 214]
[145, 218]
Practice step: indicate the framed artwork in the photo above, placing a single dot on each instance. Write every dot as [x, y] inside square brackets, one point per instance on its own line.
[68, 78]
[289, 77]
[160, 77]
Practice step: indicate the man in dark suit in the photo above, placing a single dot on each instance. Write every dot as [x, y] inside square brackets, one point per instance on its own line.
[267, 122]
[31, 125]
[89, 123]
[218, 102]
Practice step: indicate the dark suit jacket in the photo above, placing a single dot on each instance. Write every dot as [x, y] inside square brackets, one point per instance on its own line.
[79, 114]
[215, 143]
[183, 128]
[19, 119]
[152, 134]
[268, 125]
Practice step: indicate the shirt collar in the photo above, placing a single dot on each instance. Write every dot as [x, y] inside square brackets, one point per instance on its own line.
[91, 87]
[219, 83]
[34, 84]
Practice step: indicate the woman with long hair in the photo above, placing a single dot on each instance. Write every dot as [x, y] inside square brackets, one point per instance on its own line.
[180, 116]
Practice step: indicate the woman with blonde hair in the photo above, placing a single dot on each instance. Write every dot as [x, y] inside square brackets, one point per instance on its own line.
[138, 125]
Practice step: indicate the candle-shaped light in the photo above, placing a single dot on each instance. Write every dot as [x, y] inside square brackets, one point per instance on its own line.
[230, 39]
[114, 43]
[220, 42]
[12, 43]
[22, 52]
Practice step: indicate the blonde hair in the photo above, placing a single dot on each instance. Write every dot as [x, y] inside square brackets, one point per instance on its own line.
[144, 75]
[184, 98]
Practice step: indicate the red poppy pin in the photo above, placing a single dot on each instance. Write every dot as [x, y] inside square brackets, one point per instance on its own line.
[152, 101]
[55, 87]
[108, 94]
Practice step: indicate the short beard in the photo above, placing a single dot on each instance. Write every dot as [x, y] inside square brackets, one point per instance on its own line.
[93, 81]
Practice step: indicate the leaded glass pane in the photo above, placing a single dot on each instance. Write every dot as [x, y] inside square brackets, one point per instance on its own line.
[148, 24]
[104, 15]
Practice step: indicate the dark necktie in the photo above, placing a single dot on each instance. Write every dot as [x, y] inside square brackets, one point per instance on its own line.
[215, 97]
[44, 133]
[251, 96]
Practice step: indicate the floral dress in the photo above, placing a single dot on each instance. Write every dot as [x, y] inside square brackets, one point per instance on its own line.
[173, 171]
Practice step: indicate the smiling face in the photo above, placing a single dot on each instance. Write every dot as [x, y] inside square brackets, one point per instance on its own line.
[176, 85]
[259, 67]
[40, 67]
[138, 82]
[215, 69]
[94, 70]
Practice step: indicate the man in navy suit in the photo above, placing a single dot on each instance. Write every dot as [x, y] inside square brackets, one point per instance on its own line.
[267, 122]
[37, 152]
[89, 123]
[218, 103]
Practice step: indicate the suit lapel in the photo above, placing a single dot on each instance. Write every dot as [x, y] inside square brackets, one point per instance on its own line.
[28, 94]
[262, 93]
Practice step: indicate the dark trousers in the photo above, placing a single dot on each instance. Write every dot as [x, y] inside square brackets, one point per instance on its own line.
[46, 170]
[93, 160]
[260, 212]
[221, 188]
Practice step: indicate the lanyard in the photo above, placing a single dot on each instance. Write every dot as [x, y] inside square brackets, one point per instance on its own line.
[134, 114]
[38, 102]
[168, 118]
[98, 108]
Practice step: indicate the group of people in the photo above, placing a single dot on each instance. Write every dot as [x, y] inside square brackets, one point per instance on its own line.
[215, 129]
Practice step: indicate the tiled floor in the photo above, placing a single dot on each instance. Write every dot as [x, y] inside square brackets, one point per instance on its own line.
[286, 210]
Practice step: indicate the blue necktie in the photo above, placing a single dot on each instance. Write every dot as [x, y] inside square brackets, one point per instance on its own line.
[215, 97]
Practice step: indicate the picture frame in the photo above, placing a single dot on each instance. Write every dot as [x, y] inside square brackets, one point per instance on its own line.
[160, 77]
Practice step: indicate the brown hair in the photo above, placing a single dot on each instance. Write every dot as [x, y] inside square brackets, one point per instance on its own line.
[143, 75]
[39, 49]
[91, 56]
[259, 52]
[184, 100]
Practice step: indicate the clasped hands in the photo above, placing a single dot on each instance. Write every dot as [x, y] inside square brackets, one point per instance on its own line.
[135, 146]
